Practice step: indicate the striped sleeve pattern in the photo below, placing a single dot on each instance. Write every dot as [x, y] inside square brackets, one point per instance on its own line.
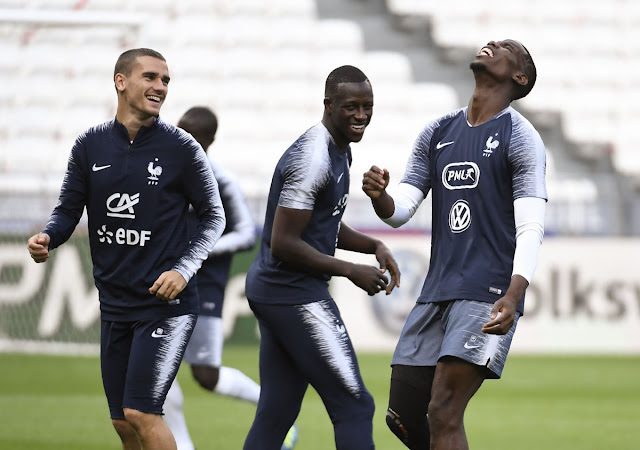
[202, 189]
[528, 159]
[307, 170]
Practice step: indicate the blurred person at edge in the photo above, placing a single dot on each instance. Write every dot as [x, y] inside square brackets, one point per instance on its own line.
[204, 351]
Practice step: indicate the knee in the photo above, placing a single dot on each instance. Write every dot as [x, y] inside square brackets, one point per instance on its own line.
[356, 409]
[368, 405]
[442, 413]
[138, 420]
[394, 422]
[413, 432]
[134, 417]
[124, 430]
[206, 376]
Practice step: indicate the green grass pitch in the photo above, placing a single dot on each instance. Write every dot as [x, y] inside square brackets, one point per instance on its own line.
[555, 402]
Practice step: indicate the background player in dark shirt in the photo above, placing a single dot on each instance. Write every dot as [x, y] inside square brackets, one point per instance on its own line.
[137, 177]
[204, 351]
[303, 338]
[485, 167]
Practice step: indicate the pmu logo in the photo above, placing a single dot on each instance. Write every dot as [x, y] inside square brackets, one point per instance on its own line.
[121, 205]
[459, 216]
[461, 175]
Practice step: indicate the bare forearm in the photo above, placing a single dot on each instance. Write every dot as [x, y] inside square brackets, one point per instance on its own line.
[303, 256]
[355, 241]
[516, 289]
[384, 205]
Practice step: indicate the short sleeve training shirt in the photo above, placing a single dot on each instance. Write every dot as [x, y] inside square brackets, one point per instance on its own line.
[475, 174]
[313, 174]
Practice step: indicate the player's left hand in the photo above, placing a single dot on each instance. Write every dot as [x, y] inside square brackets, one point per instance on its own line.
[387, 262]
[503, 315]
[168, 285]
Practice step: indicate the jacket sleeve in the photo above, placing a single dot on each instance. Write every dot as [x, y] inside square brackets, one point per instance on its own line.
[201, 189]
[72, 200]
[240, 232]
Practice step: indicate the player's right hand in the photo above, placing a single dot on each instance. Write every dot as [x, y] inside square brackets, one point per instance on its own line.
[375, 181]
[168, 285]
[38, 246]
[368, 278]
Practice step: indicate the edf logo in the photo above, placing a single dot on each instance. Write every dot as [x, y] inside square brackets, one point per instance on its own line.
[123, 237]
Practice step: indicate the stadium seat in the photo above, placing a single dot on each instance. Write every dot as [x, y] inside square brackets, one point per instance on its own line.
[337, 34]
[411, 7]
[294, 9]
[24, 154]
[387, 66]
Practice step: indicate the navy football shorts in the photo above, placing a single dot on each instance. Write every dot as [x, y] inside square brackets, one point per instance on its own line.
[140, 360]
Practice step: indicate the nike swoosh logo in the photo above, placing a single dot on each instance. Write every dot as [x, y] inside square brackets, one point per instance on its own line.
[156, 335]
[97, 168]
[340, 178]
[470, 347]
[443, 144]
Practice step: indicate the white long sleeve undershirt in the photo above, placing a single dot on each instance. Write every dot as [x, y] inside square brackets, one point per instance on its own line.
[528, 216]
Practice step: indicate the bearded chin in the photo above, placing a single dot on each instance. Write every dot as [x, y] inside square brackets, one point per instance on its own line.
[477, 66]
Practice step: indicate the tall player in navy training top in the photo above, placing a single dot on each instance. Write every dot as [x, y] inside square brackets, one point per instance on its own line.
[204, 351]
[485, 167]
[137, 176]
[303, 338]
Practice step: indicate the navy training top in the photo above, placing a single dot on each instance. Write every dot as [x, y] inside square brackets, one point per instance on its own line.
[475, 174]
[312, 174]
[137, 196]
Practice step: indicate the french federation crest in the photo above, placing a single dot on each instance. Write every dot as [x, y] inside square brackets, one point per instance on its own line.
[491, 146]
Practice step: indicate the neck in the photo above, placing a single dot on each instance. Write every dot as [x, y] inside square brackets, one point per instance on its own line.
[132, 122]
[484, 105]
[342, 146]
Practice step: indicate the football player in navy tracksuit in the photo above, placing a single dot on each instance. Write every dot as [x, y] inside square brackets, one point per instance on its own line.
[137, 177]
[303, 338]
[204, 351]
[485, 167]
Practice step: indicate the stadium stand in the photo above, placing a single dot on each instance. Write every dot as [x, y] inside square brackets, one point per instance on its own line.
[587, 48]
[261, 65]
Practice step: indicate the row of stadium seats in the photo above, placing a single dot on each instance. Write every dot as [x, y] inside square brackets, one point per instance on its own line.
[266, 91]
[229, 8]
[262, 71]
[587, 53]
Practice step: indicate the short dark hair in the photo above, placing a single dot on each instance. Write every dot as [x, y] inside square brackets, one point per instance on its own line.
[529, 69]
[126, 61]
[201, 118]
[343, 74]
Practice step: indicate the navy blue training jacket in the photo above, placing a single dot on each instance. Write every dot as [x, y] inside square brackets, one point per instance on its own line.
[137, 195]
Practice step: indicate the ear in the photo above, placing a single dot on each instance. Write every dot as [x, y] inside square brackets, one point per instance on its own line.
[120, 82]
[520, 78]
[327, 103]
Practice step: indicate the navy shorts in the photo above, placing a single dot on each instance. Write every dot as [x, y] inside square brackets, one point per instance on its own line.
[139, 361]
